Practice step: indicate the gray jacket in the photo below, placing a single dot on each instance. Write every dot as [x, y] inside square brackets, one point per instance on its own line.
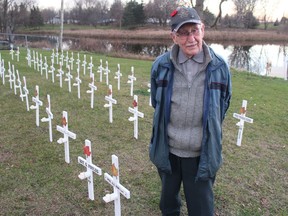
[217, 96]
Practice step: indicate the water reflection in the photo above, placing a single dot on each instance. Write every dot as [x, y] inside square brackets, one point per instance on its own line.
[266, 60]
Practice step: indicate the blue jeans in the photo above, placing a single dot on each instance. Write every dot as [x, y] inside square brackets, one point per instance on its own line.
[198, 194]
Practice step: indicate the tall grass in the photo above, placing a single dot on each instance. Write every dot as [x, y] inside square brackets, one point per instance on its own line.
[35, 180]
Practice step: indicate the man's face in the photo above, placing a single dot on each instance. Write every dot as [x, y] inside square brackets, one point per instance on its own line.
[189, 37]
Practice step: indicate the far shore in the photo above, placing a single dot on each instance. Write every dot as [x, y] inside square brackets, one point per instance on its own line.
[158, 34]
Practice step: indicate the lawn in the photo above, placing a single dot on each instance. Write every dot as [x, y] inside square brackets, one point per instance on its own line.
[36, 180]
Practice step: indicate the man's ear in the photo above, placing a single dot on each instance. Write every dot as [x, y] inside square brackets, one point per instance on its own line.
[203, 29]
[173, 36]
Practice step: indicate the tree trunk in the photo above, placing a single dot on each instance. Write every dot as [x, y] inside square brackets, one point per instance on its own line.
[214, 25]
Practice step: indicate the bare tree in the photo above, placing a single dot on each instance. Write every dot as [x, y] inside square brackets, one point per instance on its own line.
[116, 11]
[244, 7]
[214, 25]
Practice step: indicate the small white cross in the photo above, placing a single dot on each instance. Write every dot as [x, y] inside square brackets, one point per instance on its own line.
[135, 116]
[100, 70]
[26, 93]
[114, 180]
[92, 89]
[67, 134]
[37, 104]
[242, 117]
[90, 168]
[131, 79]
[111, 101]
[60, 74]
[78, 83]
[118, 76]
[49, 117]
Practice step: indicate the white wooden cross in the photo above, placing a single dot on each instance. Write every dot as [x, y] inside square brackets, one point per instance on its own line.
[14, 78]
[135, 116]
[26, 93]
[90, 168]
[17, 54]
[71, 61]
[69, 77]
[131, 80]
[52, 69]
[49, 117]
[242, 117]
[92, 89]
[90, 65]
[84, 65]
[111, 101]
[57, 56]
[2, 64]
[60, 73]
[78, 83]
[10, 75]
[62, 57]
[41, 64]
[67, 59]
[100, 70]
[78, 62]
[149, 90]
[28, 57]
[12, 52]
[118, 75]
[67, 134]
[45, 67]
[106, 72]
[18, 84]
[34, 60]
[37, 61]
[52, 56]
[38, 103]
[118, 189]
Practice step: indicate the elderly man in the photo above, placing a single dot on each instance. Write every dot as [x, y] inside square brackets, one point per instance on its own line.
[190, 92]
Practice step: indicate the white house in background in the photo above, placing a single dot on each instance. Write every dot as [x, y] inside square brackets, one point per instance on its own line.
[55, 20]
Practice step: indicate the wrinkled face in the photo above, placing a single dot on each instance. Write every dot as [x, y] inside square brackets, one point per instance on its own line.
[189, 37]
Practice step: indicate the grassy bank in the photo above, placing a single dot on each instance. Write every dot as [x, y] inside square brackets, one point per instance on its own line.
[35, 180]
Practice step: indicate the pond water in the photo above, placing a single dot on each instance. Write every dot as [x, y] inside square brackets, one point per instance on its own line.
[266, 60]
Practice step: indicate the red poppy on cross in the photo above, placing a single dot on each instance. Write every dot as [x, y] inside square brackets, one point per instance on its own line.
[86, 150]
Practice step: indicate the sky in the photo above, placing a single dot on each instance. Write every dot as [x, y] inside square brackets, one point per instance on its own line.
[275, 8]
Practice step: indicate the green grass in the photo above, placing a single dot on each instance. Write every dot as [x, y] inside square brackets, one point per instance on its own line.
[35, 180]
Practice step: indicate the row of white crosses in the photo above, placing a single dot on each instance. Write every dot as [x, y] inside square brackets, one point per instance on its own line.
[101, 69]
[91, 168]
[242, 117]
[113, 180]
[108, 98]
[12, 79]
